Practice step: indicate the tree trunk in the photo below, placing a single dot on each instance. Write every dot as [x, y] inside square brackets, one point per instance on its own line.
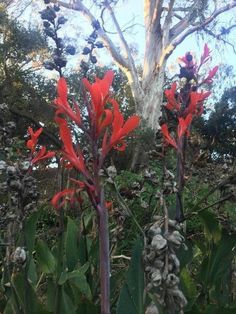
[152, 102]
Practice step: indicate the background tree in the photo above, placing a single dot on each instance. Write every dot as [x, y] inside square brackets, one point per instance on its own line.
[167, 25]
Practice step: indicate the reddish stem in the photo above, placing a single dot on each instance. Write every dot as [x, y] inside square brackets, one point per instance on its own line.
[104, 259]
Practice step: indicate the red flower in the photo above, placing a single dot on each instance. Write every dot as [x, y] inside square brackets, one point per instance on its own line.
[196, 103]
[32, 142]
[60, 198]
[184, 125]
[206, 55]
[75, 158]
[63, 105]
[42, 154]
[99, 92]
[170, 95]
[168, 138]
[120, 129]
[211, 74]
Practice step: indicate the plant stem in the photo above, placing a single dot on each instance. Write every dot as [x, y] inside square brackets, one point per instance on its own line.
[104, 259]
[179, 215]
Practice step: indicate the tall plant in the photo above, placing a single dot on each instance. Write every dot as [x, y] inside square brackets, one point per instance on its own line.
[104, 127]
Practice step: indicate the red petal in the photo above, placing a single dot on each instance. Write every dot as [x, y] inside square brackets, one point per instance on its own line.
[38, 132]
[130, 125]
[117, 125]
[206, 54]
[30, 145]
[184, 124]
[169, 139]
[61, 195]
[62, 89]
[106, 121]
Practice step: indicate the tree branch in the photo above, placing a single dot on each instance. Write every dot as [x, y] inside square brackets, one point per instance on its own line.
[79, 6]
[47, 133]
[219, 37]
[180, 37]
[184, 23]
[132, 67]
[169, 13]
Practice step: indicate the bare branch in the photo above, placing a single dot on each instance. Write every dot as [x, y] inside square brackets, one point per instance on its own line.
[125, 45]
[169, 13]
[183, 34]
[184, 23]
[219, 37]
[79, 6]
[46, 132]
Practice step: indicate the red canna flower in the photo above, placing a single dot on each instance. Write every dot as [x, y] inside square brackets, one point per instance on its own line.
[75, 158]
[42, 155]
[196, 103]
[172, 104]
[62, 103]
[184, 125]
[205, 56]
[120, 130]
[168, 138]
[67, 195]
[211, 74]
[32, 142]
[99, 92]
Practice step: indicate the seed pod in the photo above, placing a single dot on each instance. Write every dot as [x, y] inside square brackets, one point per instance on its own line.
[93, 59]
[86, 51]
[61, 20]
[70, 50]
[158, 242]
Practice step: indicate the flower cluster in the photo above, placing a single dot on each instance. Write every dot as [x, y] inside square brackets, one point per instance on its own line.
[105, 129]
[186, 102]
[40, 154]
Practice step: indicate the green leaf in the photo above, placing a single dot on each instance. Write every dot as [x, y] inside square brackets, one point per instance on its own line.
[30, 231]
[26, 295]
[45, 258]
[212, 227]
[71, 244]
[66, 305]
[78, 279]
[131, 296]
[216, 266]
[32, 272]
[189, 287]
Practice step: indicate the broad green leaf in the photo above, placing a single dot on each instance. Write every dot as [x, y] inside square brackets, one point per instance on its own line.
[212, 227]
[66, 305]
[26, 295]
[32, 272]
[131, 296]
[189, 287]
[78, 279]
[11, 306]
[51, 290]
[71, 244]
[217, 263]
[30, 231]
[45, 258]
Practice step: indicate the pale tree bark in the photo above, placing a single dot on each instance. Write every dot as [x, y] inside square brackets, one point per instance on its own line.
[162, 35]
